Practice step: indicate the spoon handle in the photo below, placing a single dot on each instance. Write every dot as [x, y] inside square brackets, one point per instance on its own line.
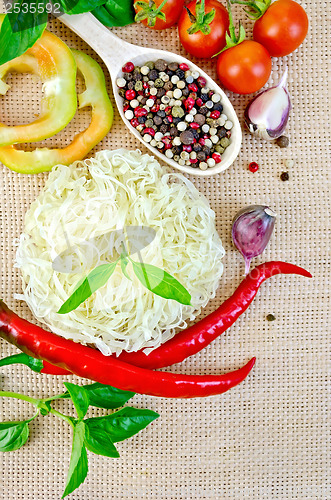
[108, 46]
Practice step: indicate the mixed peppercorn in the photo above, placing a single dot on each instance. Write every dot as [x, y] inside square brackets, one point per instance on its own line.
[174, 111]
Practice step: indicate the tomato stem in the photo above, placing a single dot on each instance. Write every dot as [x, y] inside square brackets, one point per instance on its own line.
[202, 20]
[150, 12]
[231, 39]
[256, 8]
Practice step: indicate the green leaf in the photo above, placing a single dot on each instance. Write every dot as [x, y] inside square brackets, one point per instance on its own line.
[95, 280]
[161, 283]
[13, 435]
[79, 397]
[98, 441]
[78, 7]
[78, 466]
[35, 364]
[123, 423]
[105, 396]
[115, 13]
[20, 31]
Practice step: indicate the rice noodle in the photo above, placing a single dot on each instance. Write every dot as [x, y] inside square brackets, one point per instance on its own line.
[90, 198]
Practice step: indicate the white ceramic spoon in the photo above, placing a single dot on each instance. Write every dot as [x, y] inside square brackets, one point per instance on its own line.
[115, 53]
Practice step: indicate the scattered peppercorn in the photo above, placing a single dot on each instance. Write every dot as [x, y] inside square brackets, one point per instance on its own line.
[284, 176]
[253, 167]
[271, 317]
[282, 141]
[174, 110]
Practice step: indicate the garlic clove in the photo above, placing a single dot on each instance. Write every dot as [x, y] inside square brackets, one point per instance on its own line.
[266, 116]
[251, 231]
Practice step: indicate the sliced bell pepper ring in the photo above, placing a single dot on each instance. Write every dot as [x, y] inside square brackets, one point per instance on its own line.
[53, 62]
[96, 96]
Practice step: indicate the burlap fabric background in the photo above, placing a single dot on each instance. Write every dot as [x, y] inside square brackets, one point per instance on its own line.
[268, 437]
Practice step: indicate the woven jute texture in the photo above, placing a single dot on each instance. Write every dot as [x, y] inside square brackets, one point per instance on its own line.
[270, 436]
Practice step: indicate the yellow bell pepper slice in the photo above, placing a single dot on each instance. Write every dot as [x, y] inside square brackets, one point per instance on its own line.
[53, 62]
[96, 96]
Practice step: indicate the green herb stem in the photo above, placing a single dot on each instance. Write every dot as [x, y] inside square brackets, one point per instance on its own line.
[64, 417]
[23, 397]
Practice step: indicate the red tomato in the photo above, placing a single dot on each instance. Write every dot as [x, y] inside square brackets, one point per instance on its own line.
[282, 28]
[172, 10]
[244, 68]
[198, 44]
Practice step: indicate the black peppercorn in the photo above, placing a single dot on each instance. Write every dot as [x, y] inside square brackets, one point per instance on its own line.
[283, 141]
[180, 73]
[153, 74]
[127, 76]
[197, 147]
[284, 176]
[271, 317]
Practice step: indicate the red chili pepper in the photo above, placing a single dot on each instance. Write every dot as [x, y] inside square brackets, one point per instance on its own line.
[196, 337]
[91, 364]
[54, 370]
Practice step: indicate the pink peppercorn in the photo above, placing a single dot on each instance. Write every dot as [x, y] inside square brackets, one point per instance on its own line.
[141, 92]
[187, 147]
[145, 85]
[202, 81]
[199, 102]
[167, 145]
[126, 107]
[193, 87]
[189, 103]
[168, 110]
[140, 111]
[155, 108]
[215, 114]
[194, 125]
[253, 167]
[128, 67]
[202, 141]
[130, 94]
[134, 122]
[150, 131]
[193, 160]
[170, 118]
[217, 157]
[184, 67]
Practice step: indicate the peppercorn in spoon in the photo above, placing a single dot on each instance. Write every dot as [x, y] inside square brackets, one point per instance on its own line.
[192, 126]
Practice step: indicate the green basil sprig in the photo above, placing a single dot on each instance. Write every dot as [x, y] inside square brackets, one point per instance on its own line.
[96, 434]
[153, 278]
[115, 13]
[25, 24]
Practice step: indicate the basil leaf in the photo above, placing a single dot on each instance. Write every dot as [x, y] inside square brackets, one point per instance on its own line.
[35, 364]
[105, 396]
[78, 466]
[115, 13]
[98, 441]
[13, 435]
[161, 283]
[79, 397]
[95, 280]
[123, 423]
[78, 6]
[19, 31]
